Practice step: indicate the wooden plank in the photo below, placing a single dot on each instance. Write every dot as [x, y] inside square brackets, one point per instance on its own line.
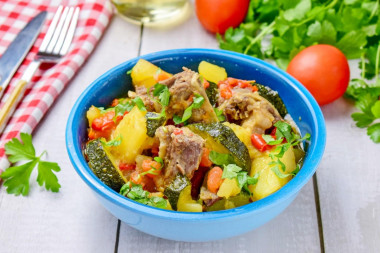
[349, 183]
[295, 230]
[71, 220]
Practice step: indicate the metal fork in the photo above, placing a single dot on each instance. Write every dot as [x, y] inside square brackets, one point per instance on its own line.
[55, 44]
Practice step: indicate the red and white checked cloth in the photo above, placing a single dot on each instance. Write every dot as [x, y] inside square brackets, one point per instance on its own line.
[48, 83]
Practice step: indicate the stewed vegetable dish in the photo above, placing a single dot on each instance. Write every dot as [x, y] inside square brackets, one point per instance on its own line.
[194, 141]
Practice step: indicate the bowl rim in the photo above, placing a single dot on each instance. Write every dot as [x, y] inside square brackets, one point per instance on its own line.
[316, 148]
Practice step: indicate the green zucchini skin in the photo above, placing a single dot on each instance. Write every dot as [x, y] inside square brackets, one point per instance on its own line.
[225, 136]
[273, 98]
[102, 165]
[212, 93]
[153, 121]
[232, 202]
[174, 189]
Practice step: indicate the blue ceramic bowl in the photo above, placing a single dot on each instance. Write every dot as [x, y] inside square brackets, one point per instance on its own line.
[206, 226]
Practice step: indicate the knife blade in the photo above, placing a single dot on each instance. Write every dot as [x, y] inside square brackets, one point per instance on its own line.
[18, 49]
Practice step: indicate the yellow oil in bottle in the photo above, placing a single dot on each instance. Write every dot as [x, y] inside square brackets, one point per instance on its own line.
[151, 11]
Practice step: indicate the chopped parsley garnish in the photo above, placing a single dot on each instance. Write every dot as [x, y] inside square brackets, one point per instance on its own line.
[284, 131]
[138, 194]
[197, 103]
[219, 114]
[220, 159]
[115, 142]
[232, 171]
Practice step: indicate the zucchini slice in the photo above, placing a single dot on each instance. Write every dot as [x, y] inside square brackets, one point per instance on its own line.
[153, 121]
[232, 202]
[212, 93]
[222, 139]
[175, 188]
[273, 98]
[102, 165]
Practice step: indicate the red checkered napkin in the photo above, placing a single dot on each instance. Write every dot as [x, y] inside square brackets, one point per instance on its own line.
[48, 83]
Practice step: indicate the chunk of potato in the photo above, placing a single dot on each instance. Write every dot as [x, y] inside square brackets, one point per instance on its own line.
[143, 74]
[268, 181]
[186, 203]
[228, 188]
[92, 114]
[132, 129]
[212, 72]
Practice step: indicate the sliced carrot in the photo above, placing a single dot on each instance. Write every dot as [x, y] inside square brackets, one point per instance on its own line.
[136, 178]
[214, 179]
[205, 160]
[161, 75]
[152, 167]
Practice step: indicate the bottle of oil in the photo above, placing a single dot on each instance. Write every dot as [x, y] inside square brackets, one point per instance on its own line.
[151, 12]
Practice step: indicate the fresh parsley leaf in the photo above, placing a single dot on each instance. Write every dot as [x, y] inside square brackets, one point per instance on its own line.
[230, 171]
[115, 142]
[220, 159]
[17, 151]
[121, 108]
[362, 119]
[129, 71]
[47, 177]
[162, 92]
[270, 140]
[375, 109]
[283, 130]
[197, 103]
[373, 132]
[177, 119]
[16, 178]
[140, 104]
[219, 114]
[159, 160]
[187, 113]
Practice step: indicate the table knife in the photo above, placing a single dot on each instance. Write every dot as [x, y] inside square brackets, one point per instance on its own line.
[18, 49]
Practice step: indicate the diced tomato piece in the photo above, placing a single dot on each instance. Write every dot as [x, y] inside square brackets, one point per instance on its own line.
[205, 160]
[136, 178]
[232, 81]
[115, 102]
[105, 122]
[259, 143]
[205, 84]
[225, 91]
[127, 166]
[177, 131]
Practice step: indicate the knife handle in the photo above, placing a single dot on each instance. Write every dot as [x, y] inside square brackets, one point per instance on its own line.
[11, 103]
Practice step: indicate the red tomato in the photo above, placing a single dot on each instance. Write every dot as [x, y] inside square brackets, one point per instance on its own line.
[323, 70]
[218, 15]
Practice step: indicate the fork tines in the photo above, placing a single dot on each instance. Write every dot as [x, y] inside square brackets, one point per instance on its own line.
[61, 32]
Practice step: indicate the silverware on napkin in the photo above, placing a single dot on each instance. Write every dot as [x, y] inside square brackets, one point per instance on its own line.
[54, 46]
[18, 49]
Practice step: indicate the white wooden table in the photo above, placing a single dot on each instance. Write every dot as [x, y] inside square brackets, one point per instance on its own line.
[339, 213]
